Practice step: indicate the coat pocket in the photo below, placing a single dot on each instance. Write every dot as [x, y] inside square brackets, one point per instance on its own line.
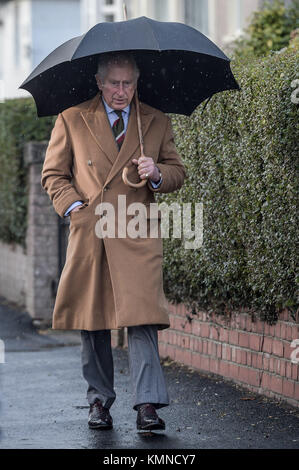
[81, 214]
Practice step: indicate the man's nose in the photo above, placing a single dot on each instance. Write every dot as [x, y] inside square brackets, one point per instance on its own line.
[121, 89]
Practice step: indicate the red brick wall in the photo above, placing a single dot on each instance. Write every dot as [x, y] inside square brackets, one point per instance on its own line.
[250, 353]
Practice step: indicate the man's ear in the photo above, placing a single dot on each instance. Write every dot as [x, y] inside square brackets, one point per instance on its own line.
[99, 83]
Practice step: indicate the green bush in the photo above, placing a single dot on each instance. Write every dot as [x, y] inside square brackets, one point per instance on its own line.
[241, 156]
[18, 124]
[269, 29]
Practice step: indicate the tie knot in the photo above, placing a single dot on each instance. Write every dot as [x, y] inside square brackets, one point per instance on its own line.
[118, 112]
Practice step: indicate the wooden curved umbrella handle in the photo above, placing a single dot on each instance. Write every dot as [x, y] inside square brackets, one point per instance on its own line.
[126, 169]
[129, 183]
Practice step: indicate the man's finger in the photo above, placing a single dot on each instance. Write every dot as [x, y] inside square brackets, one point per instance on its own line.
[144, 173]
[144, 159]
[145, 165]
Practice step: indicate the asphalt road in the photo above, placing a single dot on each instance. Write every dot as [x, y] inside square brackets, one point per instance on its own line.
[44, 406]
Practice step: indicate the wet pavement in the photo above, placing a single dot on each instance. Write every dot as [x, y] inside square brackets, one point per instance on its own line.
[44, 406]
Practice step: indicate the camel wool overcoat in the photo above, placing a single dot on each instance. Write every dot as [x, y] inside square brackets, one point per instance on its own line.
[106, 282]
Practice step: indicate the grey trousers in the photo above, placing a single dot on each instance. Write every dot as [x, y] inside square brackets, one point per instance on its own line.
[147, 379]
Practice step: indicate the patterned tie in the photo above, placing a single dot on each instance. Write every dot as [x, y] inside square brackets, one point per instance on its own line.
[118, 129]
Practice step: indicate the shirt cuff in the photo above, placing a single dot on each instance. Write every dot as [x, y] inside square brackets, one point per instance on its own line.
[157, 184]
[72, 206]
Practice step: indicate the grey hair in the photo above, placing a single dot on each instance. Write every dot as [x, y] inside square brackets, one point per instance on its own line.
[119, 58]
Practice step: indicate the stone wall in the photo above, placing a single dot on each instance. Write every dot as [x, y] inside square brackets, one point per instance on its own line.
[13, 273]
[29, 277]
[41, 240]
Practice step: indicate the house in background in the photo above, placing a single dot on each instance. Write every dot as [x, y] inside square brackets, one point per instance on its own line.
[220, 20]
[96, 11]
[31, 29]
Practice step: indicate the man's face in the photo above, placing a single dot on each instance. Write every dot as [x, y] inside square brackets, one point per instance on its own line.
[119, 86]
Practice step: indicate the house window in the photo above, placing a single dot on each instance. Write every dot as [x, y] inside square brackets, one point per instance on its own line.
[109, 18]
[109, 2]
[196, 14]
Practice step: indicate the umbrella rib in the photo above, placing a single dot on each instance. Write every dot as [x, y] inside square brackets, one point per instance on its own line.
[78, 45]
[154, 36]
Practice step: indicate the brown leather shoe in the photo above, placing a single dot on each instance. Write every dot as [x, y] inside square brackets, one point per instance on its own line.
[99, 417]
[147, 418]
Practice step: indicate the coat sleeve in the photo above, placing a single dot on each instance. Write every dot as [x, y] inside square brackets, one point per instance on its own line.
[169, 163]
[57, 169]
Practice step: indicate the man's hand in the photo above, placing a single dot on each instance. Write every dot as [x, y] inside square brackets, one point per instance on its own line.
[76, 209]
[147, 168]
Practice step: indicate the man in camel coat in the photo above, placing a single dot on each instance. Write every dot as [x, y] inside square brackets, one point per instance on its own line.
[113, 282]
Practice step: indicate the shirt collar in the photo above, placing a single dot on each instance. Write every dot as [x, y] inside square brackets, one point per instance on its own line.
[110, 110]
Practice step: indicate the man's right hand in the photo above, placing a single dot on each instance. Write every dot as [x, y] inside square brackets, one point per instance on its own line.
[76, 209]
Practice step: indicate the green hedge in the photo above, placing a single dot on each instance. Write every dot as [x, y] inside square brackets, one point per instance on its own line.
[18, 124]
[241, 156]
[269, 29]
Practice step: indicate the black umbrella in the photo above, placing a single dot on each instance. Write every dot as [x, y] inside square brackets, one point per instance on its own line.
[180, 67]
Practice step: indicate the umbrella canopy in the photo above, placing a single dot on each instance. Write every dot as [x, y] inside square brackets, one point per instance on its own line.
[179, 66]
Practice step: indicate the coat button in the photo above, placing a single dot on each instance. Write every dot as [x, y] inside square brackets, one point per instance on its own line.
[89, 162]
[106, 188]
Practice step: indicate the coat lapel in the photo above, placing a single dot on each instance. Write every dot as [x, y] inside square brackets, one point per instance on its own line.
[96, 120]
[131, 142]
